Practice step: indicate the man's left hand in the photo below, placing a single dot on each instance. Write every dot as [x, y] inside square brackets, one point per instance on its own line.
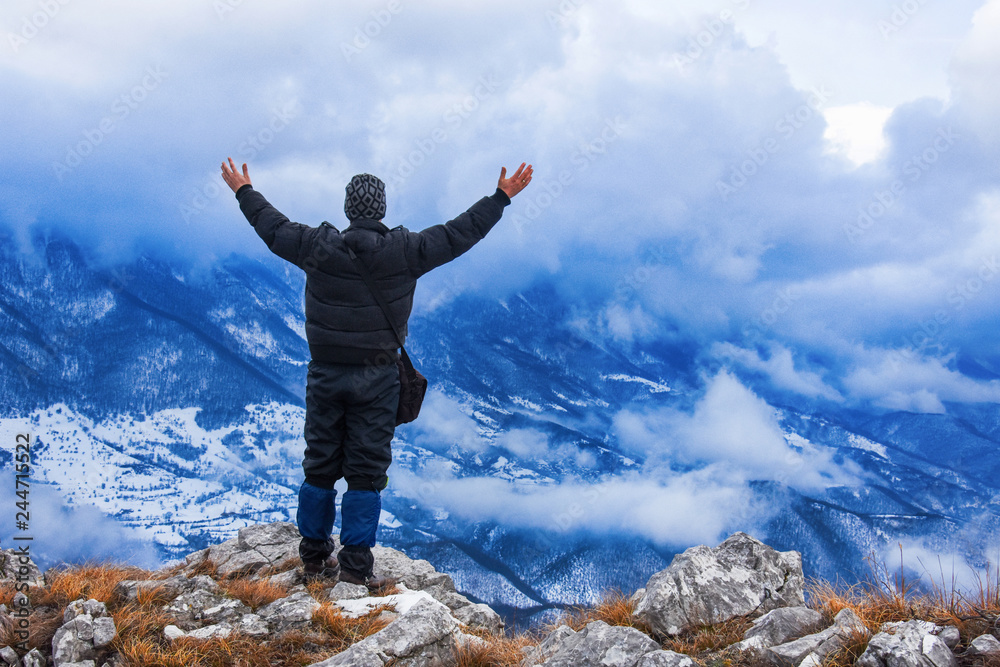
[233, 178]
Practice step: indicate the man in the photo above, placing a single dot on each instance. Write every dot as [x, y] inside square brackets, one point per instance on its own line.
[352, 389]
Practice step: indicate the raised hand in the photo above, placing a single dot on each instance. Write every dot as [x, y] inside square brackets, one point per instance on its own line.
[511, 186]
[233, 178]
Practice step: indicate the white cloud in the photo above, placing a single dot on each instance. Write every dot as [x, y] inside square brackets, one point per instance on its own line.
[906, 380]
[444, 425]
[856, 131]
[734, 429]
[780, 369]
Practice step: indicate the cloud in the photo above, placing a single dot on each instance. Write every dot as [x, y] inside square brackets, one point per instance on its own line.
[697, 508]
[780, 368]
[683, 178]
[444, 426]
[731, 427]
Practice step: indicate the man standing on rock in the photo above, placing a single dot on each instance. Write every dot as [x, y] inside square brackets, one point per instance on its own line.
[352, 390]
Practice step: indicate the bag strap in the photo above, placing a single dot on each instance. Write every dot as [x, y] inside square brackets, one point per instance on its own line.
[367, 277]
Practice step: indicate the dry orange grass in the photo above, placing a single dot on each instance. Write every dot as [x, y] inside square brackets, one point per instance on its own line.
[91, 581]
[254, 594]
[614, 609]
[344, 630]
[498, 651]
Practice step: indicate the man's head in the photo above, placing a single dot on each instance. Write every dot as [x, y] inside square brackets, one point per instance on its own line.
[365, 198]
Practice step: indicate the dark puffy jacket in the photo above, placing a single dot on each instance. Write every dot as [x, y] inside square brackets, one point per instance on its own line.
[344, 323]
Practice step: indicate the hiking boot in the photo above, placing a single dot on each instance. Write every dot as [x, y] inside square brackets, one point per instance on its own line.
[320, 570]
[374, 583]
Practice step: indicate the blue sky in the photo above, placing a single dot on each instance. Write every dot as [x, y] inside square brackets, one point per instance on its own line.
[809, 189]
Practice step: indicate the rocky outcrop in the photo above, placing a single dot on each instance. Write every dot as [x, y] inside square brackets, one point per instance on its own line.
[909, 644]
[426, 634]
[426, 621]
[703, 586]
[780, 626]
[86, 631]
[846, 626]
[596, 644]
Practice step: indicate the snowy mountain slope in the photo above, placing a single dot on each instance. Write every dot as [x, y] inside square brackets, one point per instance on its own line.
[172, 403]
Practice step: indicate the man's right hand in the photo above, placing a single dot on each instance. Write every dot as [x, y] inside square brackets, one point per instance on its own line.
[233, 178]
[511, 186]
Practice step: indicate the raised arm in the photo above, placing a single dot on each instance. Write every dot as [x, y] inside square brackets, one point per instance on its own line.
[440, 244]
[282, 236]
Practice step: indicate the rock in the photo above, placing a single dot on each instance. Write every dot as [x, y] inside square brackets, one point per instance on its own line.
[909, 644]
[596, 644]
[33, 658]
[982, 645]
[16, 567]
[267, 545]
[294, 611]
[705, 586]
[252, 625]
[220, 631]
[415, 574]
[951, 636]
[346, 591]
[846, 625]
[548, 646]
[74, 641]
[780, 626]
[92, 608]
[665, 659]
[200, 607]
[287, 579]
[425, 635]
[479, 616]
[87, 628]
[10, 657]
[172, 632]
[130, 589]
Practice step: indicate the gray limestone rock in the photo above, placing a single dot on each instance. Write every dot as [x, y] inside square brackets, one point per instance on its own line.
[10, 657]
[479, 616]
[846, 625]
[87, 629]
[200, 607]
[951, 636]
[255, 548]
[425, 635]
[253, 626]
[780, 626]
[293, 611]
[909, 644]
[704, 586]
[33, 658]
[346, 591]
[16, 567]
[983, 645]
[596, 644]
[665, 659]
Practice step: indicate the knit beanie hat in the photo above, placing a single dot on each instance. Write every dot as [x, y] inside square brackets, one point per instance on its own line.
[365, 198]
